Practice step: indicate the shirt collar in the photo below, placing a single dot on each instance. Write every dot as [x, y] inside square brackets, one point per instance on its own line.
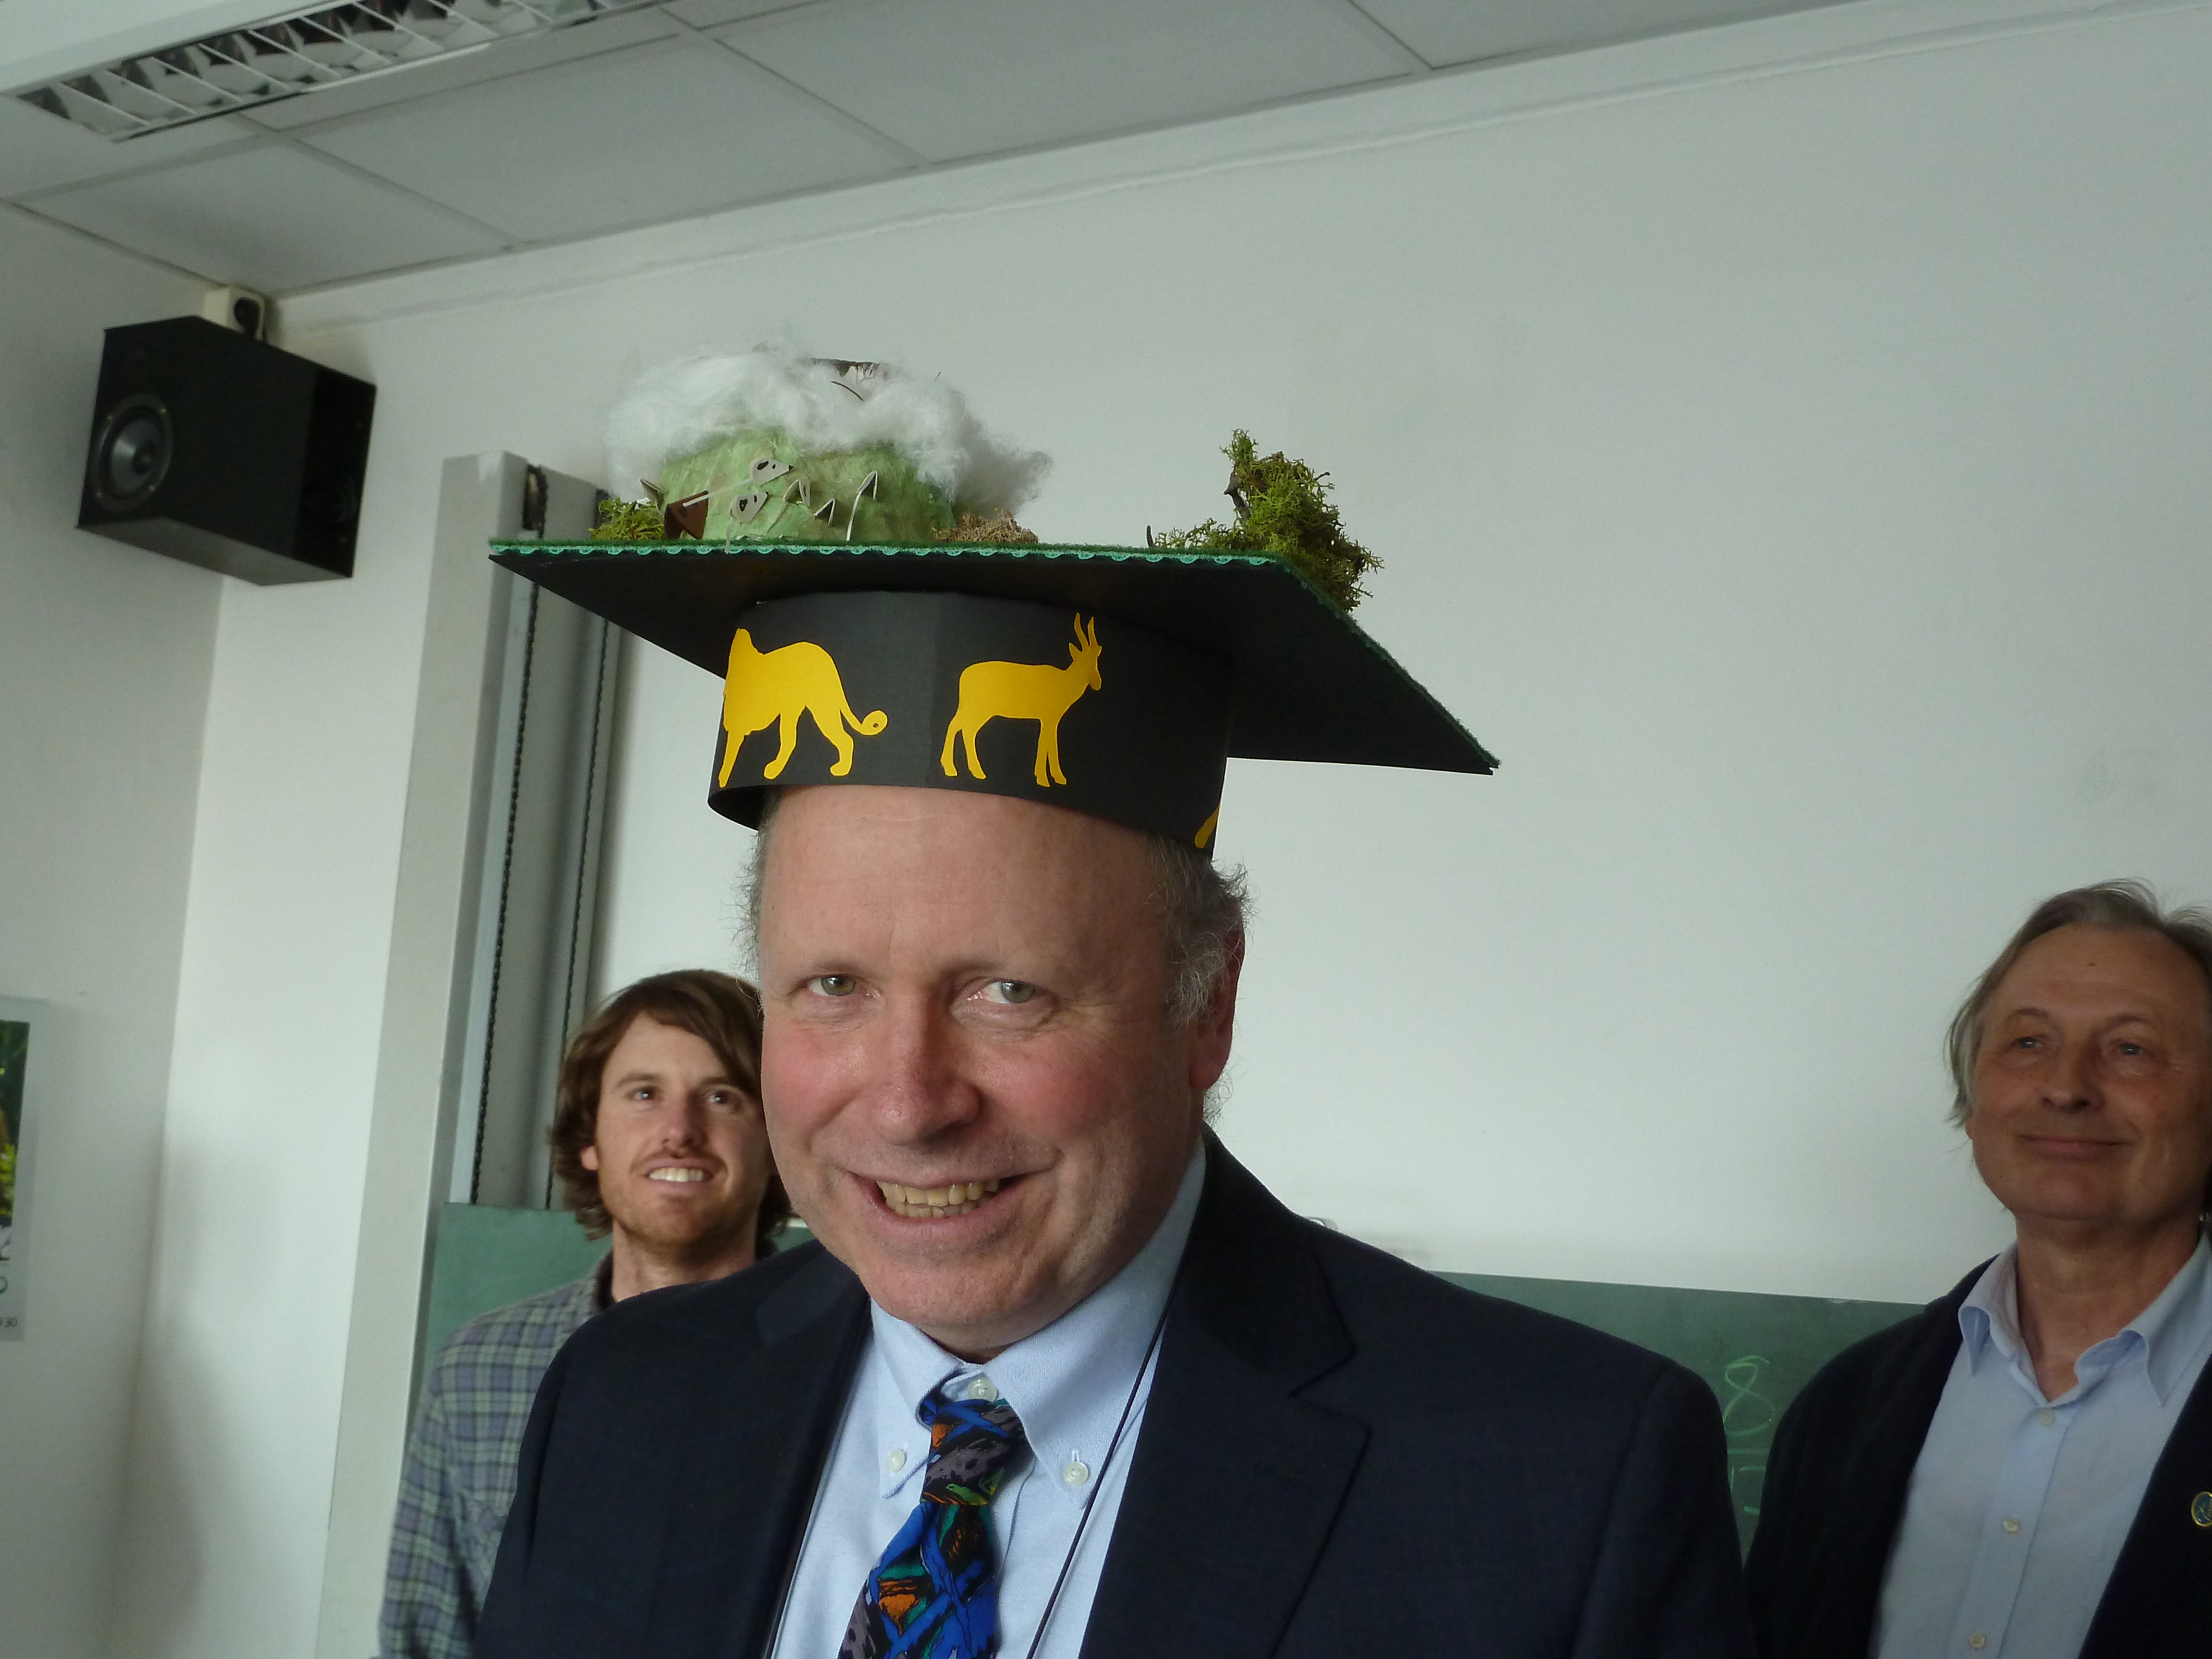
[1068, 1382]
[2176, 1323]
[2167, 1333]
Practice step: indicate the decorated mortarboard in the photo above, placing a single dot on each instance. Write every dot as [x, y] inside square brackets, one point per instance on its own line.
[837, 543]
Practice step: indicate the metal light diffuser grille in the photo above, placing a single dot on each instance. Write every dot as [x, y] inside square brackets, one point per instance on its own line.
[326, 46]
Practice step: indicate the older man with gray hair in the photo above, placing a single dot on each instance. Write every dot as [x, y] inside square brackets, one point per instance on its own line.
[2025, 1470]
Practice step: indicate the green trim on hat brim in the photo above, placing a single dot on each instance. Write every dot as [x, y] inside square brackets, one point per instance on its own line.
[1312, 685]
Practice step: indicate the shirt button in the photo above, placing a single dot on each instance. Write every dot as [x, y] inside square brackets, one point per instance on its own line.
[2011, 1523]
[1076, 1473]
[2046, 1417]
[1978, 1641]
[897, 1459]
[982, 1388]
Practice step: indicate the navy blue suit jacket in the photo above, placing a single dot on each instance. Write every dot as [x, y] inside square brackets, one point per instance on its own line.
[1341, 1456]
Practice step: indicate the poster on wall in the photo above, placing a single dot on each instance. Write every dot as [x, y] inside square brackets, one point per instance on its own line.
[18, 1028]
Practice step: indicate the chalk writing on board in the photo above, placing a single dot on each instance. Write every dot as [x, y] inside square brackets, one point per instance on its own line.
[15, 1059]
[1748, 1417]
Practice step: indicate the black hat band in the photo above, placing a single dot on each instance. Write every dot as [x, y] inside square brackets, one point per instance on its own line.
[997, 696]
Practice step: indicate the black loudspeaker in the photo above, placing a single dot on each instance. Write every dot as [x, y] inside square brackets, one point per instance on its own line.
[226, 452]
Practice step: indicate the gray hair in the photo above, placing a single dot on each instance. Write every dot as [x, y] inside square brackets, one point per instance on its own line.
[1203, 910]
[2112, 904]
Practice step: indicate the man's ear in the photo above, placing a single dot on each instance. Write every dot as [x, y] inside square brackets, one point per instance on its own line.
[1213, 1031]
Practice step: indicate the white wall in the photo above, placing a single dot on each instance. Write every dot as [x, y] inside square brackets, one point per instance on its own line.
[1793, 477]
[105, 652]
[296, 844]
[675, 878]
[1795, 480]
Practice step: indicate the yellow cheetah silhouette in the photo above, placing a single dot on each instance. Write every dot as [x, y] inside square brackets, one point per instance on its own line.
[1024, 691]
[764, 687]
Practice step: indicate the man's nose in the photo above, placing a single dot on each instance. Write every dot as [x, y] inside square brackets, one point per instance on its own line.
[684, 1125]
[916, 1091]
[2071, 1083]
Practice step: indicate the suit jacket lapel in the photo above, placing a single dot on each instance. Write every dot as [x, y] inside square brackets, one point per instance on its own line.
[1870, 1504]
[733, 1542]
[1235, 1480]
[2159, 1599]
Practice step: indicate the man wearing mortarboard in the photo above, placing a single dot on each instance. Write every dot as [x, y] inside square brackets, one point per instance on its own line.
[1059, 1377]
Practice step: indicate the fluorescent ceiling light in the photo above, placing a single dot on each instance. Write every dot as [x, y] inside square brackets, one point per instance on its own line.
[326, 46]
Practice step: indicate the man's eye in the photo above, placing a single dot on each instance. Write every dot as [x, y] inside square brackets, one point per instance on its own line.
[1008, 990]
[832, 985]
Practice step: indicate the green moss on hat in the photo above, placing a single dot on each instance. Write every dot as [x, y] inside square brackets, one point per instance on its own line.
[1283, 508]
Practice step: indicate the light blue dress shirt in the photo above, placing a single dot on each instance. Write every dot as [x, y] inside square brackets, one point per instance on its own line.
[2019, 1505]
[1068, 1383]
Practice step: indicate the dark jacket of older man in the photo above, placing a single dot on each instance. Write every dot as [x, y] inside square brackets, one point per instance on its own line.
[1835, 1494]
[1342, 1456]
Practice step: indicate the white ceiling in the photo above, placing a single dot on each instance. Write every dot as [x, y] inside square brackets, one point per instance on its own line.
[693, 105]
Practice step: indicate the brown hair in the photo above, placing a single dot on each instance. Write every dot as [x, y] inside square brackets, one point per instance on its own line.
[722, 1012]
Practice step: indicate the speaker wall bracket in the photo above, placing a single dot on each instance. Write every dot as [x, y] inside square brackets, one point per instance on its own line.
[240, 309]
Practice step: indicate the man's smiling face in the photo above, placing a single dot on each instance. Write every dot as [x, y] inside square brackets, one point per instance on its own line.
[2093, 1087]
[679, 1149]
[978, 1099]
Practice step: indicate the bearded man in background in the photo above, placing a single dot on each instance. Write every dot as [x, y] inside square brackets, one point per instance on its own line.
[658, 1142]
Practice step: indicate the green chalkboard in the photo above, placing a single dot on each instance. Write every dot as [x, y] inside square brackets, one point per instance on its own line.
[1755, 1351]
[487, 1257]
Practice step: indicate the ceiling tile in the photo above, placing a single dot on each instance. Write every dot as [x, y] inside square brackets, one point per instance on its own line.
[490, 63]
[39, 150]
[1447, 32]
[657, 133]
[953, 78]
[272, 217]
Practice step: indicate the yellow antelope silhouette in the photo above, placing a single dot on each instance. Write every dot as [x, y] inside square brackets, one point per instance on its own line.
[1024, 691]
[764, 687]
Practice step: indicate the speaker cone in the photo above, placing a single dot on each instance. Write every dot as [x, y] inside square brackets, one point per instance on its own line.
[132, 455]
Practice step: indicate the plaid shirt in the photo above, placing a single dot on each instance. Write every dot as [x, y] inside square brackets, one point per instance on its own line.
[459, 1475]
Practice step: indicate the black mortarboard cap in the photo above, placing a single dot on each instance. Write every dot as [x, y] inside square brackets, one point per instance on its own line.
[1116, 681]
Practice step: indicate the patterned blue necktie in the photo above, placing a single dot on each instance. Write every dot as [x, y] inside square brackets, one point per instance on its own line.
[934, 1594]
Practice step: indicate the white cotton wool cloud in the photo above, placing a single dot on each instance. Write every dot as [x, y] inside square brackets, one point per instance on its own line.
[681, 408]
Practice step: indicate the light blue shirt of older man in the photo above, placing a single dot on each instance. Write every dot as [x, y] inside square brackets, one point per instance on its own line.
[2019, 1504]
